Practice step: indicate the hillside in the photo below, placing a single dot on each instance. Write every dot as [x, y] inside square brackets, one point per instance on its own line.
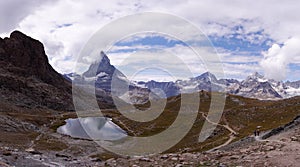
[36, 100]
[241, 114]
[27, 79]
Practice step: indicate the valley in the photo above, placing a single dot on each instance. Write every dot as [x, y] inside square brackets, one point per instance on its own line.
[36, 101]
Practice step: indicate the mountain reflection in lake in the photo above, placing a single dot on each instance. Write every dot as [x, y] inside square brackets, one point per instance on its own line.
[97, 128]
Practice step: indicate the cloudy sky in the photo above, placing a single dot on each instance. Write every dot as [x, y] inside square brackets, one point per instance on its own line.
[262, 36]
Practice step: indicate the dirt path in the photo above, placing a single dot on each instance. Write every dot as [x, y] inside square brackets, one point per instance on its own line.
[231, 135]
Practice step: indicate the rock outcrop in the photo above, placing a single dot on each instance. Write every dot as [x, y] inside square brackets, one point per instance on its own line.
[26, 77]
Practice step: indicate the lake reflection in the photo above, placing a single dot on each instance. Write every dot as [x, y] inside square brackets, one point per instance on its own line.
[97, 128]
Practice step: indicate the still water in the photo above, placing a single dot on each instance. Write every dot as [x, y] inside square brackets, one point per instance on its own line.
[96, 128]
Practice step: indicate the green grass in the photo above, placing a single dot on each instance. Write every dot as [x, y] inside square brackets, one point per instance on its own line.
[242, 114]
[50, 143]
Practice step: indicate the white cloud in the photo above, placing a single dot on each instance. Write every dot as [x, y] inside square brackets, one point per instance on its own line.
[14, 11]
[240, 71]
[276, 59]
[63, 43]
[179, 61]
[45, 21]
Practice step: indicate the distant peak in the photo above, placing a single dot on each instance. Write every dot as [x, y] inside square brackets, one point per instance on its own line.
[258, 75]
[102, 53]
[102, 64]
[207, 75]
[104, 58]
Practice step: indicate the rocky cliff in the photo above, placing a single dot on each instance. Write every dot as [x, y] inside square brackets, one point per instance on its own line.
[26, 77]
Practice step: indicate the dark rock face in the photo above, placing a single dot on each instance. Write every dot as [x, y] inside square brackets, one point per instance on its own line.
[105, 73]
[26, 53]
[26, 77]
[253, 87]
[102, 66]
[280, 129]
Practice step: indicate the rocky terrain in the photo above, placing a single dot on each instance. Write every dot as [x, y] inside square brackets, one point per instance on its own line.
[35, 100]
[280, 149]
[23, 141]
[26, 77]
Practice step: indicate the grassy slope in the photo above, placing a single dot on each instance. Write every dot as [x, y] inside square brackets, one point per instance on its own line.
[242, 114]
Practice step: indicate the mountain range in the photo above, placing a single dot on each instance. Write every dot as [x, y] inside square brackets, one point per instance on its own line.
[254, 86]
[35, 101]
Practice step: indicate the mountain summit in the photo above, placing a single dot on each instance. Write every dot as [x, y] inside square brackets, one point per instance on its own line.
[102, 66]
[27, 79]
[254, 86]
[102, 72]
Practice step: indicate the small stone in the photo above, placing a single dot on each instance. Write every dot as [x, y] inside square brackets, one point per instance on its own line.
[61, 155]
[222, 165]
[181, 159]
[243, 151]
[96, 160]
[174, 159]
[234, 157]
[268, 156]
[187, 155]
[32, 151]
[164, 157]
[7, 153]
[269, 148]
[185, 163]
[145, 159]
[293, 138]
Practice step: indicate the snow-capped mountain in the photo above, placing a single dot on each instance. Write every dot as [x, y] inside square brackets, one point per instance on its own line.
[206, 81]
[169, 88]
[103, 74]
[257, 86]
[254, 86]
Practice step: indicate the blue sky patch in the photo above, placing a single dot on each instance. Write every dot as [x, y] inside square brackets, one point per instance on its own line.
[236, 44]
[151, 40]
[64, 25]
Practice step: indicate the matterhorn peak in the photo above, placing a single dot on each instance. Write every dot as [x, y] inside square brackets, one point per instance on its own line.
[257, 75]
